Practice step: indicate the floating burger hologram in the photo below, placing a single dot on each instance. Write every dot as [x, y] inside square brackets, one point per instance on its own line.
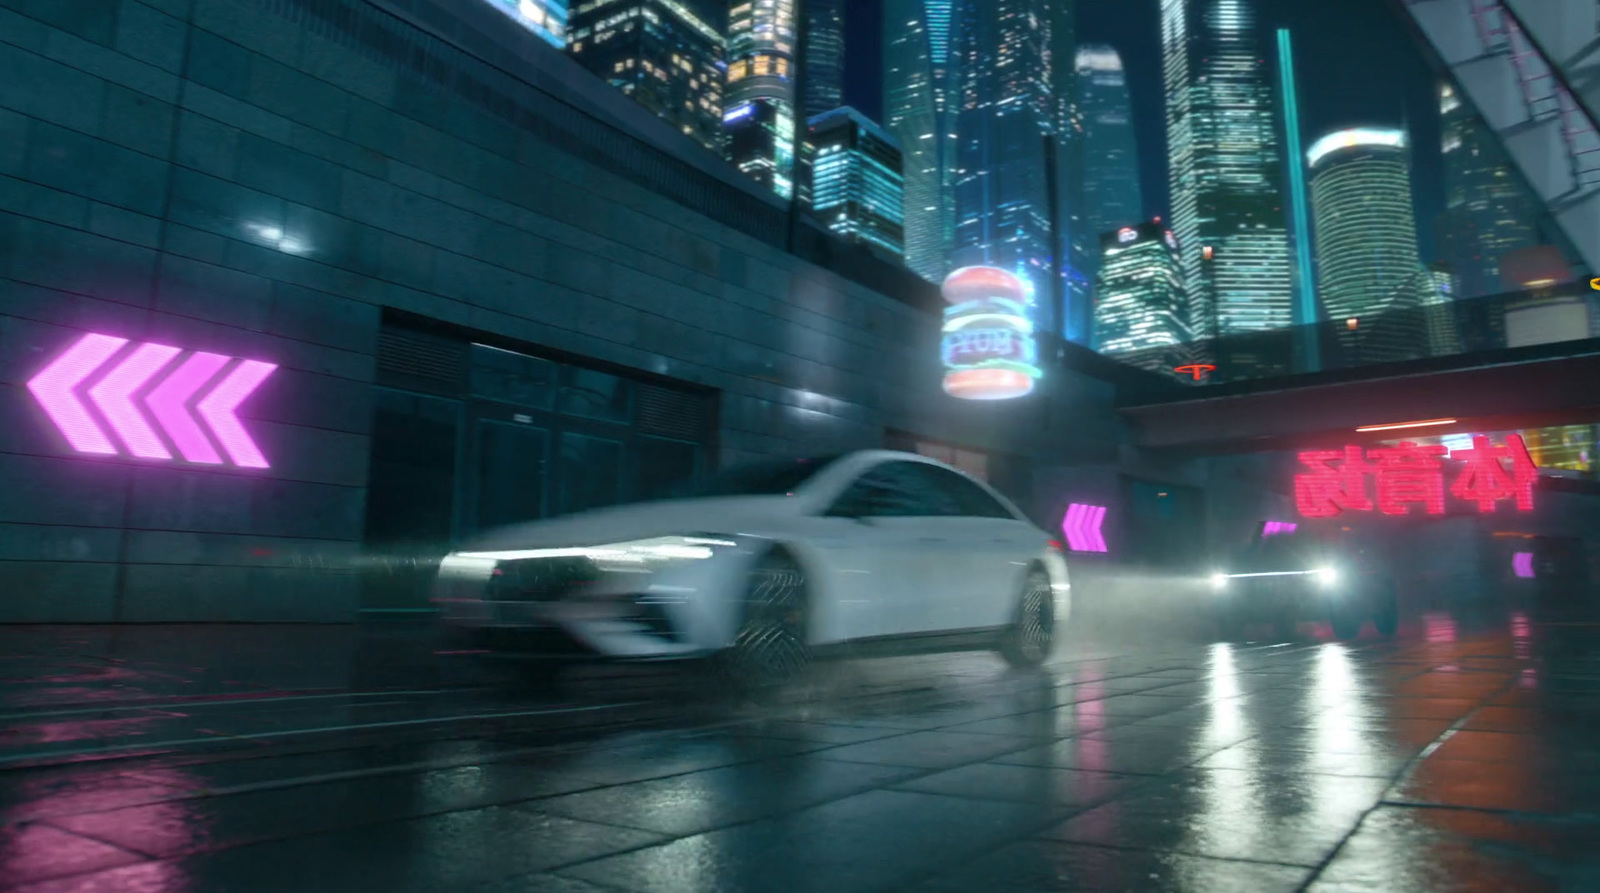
[988, 346]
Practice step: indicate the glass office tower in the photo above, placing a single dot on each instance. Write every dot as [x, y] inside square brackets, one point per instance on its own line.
[920, 99]
[1225, 169]
[759, 104]
[856, 186]
[666, 54]
[1014, 201]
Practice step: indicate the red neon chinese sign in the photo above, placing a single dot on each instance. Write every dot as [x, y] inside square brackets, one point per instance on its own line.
[1408, 475]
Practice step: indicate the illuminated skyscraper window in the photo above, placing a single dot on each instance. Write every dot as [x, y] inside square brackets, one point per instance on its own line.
[1489, 211]
[1225, 170]
[920, 98]
[1366, 238]
[1017, 98]
[1111, 192]
[1141, 308]
[666, 54]
[856, 187]
[759, 103]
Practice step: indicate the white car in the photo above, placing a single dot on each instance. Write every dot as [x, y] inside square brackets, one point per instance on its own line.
[773, 564]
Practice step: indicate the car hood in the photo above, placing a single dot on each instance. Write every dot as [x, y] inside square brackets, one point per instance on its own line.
[721, 515]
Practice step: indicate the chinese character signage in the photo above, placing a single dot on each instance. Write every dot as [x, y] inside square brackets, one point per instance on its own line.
[1407, 476]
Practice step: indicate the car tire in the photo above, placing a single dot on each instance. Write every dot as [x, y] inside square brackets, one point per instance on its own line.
[1387, 619]
[1031, 636]
[1346, 624]
[771, 646]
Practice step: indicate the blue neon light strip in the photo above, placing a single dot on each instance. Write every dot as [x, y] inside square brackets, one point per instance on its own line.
[1306, 297]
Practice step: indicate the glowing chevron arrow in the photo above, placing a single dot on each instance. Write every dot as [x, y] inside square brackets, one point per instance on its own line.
[121, 390]
[1081, 526]
[217, 409]
[53, 389]
[114, 396]
[168, 403]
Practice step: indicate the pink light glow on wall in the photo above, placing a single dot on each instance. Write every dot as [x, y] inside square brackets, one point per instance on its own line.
[63, 392]
[1522, 565]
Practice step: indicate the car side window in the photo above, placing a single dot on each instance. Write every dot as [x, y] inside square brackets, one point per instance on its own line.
[895, 490]
[971, 500]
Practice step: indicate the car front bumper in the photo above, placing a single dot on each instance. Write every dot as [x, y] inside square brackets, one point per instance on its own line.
[635, 616]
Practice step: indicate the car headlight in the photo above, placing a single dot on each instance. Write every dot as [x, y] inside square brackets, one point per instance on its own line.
[1327, 576]
[1219, 581]
[626, 556]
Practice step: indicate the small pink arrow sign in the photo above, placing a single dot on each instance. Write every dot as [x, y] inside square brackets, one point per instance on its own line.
[117, 396]
[1081, 526]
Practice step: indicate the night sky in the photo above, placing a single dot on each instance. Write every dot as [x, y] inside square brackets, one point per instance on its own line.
[1358, 65]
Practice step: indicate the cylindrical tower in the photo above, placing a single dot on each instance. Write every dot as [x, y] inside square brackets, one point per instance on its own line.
[1366, 239]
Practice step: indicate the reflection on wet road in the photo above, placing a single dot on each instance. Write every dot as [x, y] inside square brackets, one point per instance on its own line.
[1462, 756]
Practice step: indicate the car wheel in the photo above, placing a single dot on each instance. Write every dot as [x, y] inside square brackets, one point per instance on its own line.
[771, 647]
[1387, 620]
[1346, 623]
[1032, 634]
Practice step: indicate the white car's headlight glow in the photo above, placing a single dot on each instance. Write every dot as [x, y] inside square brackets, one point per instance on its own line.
[1327, 576]
[632, 555]
[1219, 581]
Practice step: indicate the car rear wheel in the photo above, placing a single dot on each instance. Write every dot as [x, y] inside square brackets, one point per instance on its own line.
[771, 646]
[1346, 623]
[1387, 619]
[1032, 634]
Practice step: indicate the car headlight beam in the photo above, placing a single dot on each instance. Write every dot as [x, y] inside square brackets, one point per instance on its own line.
[631, 555]
[1219, 581]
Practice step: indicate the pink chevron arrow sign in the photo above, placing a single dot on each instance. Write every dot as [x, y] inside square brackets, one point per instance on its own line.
[174, 395]
[1082, 527]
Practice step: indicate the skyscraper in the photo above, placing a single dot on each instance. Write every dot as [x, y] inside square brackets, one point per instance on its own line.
[920, 100]
[1016, 93]
[855, 182]
[824, 56]
[1224, 168]
[546, 18]
[759, 101]
[1367, 241]
[1110, 155]
[1489, 211]
[666, 54]
[1141, 307]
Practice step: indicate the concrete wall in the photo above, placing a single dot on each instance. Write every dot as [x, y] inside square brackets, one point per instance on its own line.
[244, 177]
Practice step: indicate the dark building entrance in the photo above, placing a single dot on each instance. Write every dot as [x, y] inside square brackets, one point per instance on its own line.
[469, 435]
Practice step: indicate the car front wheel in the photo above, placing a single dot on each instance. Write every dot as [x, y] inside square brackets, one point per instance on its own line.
[1032, 634]
[771, 647]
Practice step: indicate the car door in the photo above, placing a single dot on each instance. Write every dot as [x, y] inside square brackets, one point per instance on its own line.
[897, 508]
[986, 548]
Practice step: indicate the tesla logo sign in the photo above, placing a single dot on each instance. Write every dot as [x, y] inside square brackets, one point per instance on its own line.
[1407, 474]
[144, 391]
[1198, 370]
[1082, 527]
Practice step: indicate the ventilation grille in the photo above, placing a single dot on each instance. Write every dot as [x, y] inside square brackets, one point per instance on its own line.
[673, 413]
[415, 359]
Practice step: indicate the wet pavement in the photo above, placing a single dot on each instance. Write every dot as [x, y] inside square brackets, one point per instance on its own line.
[1463, 756]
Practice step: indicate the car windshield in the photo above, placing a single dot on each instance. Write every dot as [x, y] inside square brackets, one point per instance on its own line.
[775, 478]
